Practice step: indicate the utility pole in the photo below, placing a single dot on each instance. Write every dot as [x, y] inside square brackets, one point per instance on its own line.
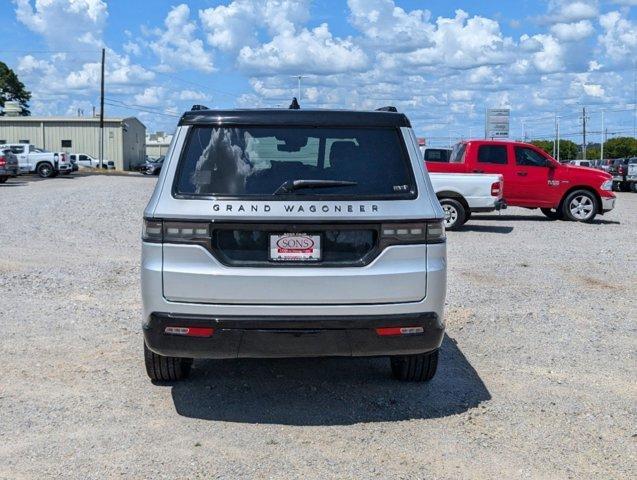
[102, 112]
[524, 129]
[557, 136]
[583, 133]
[299, 77]
[601, 149]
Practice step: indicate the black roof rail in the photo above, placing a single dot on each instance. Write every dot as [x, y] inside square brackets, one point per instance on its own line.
[388, 108]
[195, 108]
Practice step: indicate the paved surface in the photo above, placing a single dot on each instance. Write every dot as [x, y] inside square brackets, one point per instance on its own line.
[537, 374]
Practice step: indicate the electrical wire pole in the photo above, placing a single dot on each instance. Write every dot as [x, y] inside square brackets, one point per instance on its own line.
[557, 135]
[601, 148]
[583, 133]
[102, 112]
[299, 77]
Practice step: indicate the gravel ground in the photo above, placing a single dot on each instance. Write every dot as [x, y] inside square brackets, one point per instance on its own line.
[537, 373]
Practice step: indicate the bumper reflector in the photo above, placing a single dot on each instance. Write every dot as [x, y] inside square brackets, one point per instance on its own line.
[390, 331]
[190, 331]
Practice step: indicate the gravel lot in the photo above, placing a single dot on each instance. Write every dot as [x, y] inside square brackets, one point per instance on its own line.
[537, 378]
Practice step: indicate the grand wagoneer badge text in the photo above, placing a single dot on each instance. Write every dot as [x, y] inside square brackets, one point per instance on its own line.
[295, 208]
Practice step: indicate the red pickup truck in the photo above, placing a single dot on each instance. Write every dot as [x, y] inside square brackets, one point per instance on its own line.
[533, 179]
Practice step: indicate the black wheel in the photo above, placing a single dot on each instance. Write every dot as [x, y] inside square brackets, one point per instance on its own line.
[3, 179]
[45, 170]
[580, 206]
[553, 213]
[624, 187]
[415, 368]
[165, 369]
[455, 213]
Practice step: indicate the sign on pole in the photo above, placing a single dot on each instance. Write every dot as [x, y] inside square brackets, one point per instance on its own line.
[497, 123]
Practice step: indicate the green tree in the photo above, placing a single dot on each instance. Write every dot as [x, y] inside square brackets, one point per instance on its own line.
[592, 153]
[12, 89]
[620, 147]
[568, 149]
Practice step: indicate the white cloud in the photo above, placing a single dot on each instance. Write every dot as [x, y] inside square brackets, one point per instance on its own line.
[65, 23]
[383, 23]
[550, 58]
[193, 95]
[568, 11]
[150, 96]
[178, 46]
[132, 48]
[619, 38]
[234, 26]
[308, 51]
[571, 32]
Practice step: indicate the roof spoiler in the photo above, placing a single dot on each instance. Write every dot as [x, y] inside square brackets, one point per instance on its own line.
[388, 108]
[195, 108]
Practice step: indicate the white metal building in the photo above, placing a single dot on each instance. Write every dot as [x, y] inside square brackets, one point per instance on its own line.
[124, 138]
[157, 143]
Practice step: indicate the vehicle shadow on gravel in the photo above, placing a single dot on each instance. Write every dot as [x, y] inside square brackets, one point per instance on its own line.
[484, 228]
[325, 391]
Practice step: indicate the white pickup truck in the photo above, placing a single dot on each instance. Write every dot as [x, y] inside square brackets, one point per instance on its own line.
[460, 194]
[32, 159]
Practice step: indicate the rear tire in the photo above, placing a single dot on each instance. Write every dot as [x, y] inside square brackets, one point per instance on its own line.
[45, 170]
[415, 368]
[455, 213]
[165, 369]
[3, 179]
[580, 206]
[553, 214]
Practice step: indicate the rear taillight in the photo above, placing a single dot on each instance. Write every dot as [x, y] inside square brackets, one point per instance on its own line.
[496, 189]
[158, 231]
[412, 233]
[394, 331]
[3, 161]
[190, 331]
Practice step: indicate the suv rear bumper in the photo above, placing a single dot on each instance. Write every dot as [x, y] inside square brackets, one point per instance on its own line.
[292, 336]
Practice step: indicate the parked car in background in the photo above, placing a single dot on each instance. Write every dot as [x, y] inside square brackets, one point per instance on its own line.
[87, 161]
[581, 163]
[152, 166]
[293, 233]
[435, 154]
[461, 194]
[9, 166]
[32, 159]
[533, 179]
[624, 174]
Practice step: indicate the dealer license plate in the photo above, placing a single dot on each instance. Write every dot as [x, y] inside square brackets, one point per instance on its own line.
[295, 247]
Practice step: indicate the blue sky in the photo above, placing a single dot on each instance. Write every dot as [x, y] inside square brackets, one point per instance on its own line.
[442, 63]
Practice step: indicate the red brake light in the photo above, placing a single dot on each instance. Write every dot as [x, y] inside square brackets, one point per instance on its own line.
[496, 189]
[393, 331]
[3, 161]
[190, 331]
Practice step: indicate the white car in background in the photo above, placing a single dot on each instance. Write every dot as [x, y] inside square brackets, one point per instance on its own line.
[85, 160]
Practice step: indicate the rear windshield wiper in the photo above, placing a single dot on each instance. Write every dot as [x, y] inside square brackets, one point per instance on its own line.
[290, 185]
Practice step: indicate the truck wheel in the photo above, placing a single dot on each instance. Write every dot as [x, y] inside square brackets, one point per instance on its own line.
[455, 213]
[415, 368]
[45, 170]
[553, 213]
[165, 369]
[580, 206]
[3, 179]
[624, 187]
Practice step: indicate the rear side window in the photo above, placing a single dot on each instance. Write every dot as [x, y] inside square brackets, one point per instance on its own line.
[436, 155]
[457, 153]
[492, 154]
[257, 161]
[530, 158]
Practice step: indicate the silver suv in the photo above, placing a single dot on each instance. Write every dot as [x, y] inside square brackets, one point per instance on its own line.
[293, 233]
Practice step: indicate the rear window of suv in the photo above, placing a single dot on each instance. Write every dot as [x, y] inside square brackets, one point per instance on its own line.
[257, 161]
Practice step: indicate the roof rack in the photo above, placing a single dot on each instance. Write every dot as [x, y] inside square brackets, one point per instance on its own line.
[388, 108]
[195, 108]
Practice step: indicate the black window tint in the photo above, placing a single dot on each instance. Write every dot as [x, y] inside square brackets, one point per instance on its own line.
[529, 158]
[16, 149]
[436, 155]
[83, 157]
[256, 161]
[492, 154]
[67, 144]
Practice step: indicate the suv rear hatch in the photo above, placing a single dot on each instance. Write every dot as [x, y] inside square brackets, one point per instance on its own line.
[244, 172]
